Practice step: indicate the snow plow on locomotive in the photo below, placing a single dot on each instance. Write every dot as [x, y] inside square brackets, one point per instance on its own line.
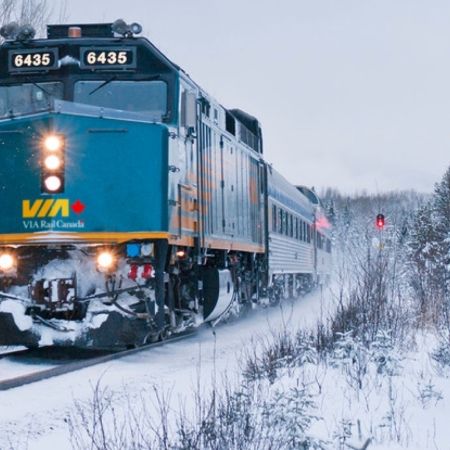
[134, 204]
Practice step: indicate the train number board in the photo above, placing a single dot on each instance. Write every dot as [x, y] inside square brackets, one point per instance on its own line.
[108, 58]
[33, 60]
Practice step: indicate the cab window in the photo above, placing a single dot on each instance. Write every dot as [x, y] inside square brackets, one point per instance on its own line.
[148, 97]
[28, 98]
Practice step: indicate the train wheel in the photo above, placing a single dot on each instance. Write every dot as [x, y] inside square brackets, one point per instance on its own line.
[276, 293]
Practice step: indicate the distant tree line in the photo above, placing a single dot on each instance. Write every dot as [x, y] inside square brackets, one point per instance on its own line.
[414, 247]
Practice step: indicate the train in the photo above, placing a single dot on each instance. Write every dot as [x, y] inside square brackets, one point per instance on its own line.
[135, 205]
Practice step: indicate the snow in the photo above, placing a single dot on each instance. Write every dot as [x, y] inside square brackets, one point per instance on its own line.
[13, 367]
[38, 411]
[98, 320]
[77, 263]
[46, 337]
[404, 403]
[17, 310]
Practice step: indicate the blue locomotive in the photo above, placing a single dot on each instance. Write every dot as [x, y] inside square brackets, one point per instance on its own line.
[134, 204]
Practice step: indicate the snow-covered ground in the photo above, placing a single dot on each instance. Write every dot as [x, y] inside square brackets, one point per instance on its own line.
[397, 400]
[34, 416]
[13, 367]
[401, 403]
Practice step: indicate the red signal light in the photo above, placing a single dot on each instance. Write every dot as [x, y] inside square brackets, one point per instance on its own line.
[380, 221]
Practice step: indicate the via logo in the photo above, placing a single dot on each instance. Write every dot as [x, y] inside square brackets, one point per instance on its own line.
[50, 208]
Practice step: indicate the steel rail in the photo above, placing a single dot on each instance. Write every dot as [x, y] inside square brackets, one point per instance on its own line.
[62, 369]
[8, 354]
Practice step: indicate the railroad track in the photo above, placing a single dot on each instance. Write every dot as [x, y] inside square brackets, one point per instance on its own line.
[62, 369]
[6, 353]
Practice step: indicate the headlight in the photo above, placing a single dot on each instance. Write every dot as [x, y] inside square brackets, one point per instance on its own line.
[53, 183]
[105, 261]
[7, 262]
[181, 254]
[53, 143]
[52, 162]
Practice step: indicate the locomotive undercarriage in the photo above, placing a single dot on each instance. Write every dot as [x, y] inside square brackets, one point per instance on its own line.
[58, 296]
[289, 285]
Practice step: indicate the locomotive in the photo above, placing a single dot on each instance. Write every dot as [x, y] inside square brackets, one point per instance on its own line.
[134, 205]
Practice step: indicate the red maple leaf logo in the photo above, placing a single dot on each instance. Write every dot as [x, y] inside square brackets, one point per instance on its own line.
[78, 207]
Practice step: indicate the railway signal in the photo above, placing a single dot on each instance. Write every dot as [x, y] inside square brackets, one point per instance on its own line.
[380, 222]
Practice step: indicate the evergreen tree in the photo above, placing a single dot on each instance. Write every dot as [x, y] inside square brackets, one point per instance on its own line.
[430, 253]
[441, 219]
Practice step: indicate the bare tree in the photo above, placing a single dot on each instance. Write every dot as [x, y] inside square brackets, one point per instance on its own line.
[36, 13]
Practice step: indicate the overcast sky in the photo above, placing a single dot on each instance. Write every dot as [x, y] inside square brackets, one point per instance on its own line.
[352, 94]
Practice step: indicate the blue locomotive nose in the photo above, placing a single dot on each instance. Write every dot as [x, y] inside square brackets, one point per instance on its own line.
[113, 176]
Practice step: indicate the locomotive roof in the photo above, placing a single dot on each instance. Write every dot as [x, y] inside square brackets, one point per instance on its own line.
[101, 34]
[96, 31]
[140, 42]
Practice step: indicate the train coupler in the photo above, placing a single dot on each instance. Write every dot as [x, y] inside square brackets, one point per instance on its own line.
[56, 298]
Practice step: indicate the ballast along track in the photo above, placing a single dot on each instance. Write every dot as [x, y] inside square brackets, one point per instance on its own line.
[23, 380]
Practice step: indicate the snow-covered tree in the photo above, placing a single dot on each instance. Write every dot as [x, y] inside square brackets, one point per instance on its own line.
[441, 217]
[430, 254]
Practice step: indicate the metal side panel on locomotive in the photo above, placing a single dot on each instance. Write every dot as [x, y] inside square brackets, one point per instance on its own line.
[134, 204]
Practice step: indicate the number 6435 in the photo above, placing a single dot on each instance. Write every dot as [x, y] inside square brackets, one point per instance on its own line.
[112, 57]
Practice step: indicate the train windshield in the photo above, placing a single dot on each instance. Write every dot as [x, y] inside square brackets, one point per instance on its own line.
[26, 98]
[147, 97]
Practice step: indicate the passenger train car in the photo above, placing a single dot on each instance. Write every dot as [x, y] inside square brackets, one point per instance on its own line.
[134, 205]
